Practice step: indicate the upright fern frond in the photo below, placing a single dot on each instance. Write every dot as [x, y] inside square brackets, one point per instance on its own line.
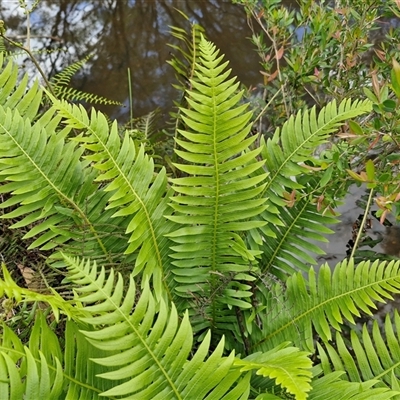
[218, 200]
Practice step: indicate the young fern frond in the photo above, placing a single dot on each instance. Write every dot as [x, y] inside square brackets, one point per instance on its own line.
[9, 288]
[217, 201]
[374, 355]
[323, 301]
[61, 80]
[139, 195]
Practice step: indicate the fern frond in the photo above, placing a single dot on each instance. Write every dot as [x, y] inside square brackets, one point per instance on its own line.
[322, 302]
[51, 188]
[288, 155]
[14, 93]
[332, 387]
[287, 151]
[61, 80]
[184, 63]
[287, 246]
[217, 201]
[149, 347]
[139, 195]
[374, 356]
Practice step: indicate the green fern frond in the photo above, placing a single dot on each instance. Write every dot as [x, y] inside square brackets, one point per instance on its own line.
[188, 54]
[50, 186]
[322, 302]
[139, 195]
[14, 93]
[373, 356]
[214, 204]
[61, 80]
[64, 77]
[149, 347]
[291, 248]
[288, 155]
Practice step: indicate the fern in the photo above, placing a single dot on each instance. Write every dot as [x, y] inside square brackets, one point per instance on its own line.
[141, 197]
[210, 239]
[42, 369]
[9, 288]
[61, 80]
[373, 356]
[214, 204]
[151, 351]
[323, 301]
[288, 155]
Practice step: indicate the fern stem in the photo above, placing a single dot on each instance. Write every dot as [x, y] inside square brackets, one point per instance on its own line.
[363, 222]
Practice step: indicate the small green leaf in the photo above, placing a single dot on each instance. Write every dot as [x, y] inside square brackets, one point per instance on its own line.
[370, 95]
[389, 105]
[355, 128]
[370, 169]
[326, 176]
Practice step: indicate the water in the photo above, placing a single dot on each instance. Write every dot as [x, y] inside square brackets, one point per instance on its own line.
[134, 34]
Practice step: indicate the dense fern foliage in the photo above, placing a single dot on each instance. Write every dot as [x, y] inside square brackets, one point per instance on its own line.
[185, 286]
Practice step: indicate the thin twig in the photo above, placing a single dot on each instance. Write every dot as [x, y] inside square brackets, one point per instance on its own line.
[363, 222]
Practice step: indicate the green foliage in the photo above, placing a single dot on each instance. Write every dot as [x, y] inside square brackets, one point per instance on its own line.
[61, 80]
[314, 52]
[214, 304]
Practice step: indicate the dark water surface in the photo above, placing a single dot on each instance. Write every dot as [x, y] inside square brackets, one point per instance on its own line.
[122, 34]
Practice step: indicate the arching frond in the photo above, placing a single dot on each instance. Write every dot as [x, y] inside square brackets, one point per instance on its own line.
[288, 155]
[149, 347]
[62, 79]
[50, 186]
[9, 288]
[137, 194]
[322, 302]
[290, 368]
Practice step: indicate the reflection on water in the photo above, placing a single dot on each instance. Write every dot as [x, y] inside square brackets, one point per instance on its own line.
[133, 34]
